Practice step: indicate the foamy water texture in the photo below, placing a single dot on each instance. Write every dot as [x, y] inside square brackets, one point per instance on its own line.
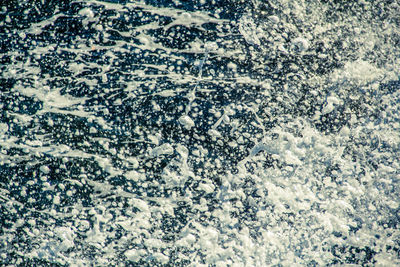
[199, 133]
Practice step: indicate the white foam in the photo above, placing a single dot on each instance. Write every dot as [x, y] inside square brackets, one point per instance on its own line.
[359, 71]
[164, 149]
[134, 254]
[186, 121]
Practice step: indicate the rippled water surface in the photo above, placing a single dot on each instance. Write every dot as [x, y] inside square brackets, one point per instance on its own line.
[199, 133]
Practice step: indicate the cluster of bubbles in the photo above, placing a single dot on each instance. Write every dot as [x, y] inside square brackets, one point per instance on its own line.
[199, 133]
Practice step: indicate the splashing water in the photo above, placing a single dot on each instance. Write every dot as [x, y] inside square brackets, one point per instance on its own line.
[199, 133]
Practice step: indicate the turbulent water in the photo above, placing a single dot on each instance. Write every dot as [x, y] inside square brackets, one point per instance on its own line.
[199, 133]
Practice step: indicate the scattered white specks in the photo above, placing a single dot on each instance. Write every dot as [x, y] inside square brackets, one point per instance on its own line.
[262, 134]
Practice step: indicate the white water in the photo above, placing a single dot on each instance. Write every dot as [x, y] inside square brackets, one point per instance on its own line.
[178, 137]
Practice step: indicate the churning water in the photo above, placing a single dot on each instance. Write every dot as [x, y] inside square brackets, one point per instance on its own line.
[199, 133]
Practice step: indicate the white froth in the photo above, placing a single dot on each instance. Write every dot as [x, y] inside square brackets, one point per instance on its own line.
[186, 121]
